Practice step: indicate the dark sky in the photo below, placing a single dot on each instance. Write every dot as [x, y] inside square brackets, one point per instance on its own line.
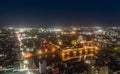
[65, 12]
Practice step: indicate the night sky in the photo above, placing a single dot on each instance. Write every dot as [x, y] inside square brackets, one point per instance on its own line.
[59, 12]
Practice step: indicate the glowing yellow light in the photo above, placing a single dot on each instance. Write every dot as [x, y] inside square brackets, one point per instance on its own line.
[86, 51]
[60, 42]
[96, 48]
[91, 54]
[73, 32]
[40, 52]
[53, 49]
[74, 53]
[63, 54]
[91, 50]
[62, 32]
[73, 42]
[28, 55]
[46, 50]
[68, 53]
[80, 52]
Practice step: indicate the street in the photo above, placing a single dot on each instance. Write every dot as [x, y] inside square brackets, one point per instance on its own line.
[22, 72]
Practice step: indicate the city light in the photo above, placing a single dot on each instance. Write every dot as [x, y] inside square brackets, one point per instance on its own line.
[59, 36]
[25, 62]
[53, 49]
[27, 55]
[40, 52]
[72, 32]
[46, 50]
[100, 30]
[22, 30]
[60, 42]
[58, 48]
[23, 53]
[57, 29]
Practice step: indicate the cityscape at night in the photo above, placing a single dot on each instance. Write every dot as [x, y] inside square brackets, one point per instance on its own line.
[91, 50]
[59, 37]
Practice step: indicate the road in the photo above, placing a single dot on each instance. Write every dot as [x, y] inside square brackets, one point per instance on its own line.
[22, 72]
